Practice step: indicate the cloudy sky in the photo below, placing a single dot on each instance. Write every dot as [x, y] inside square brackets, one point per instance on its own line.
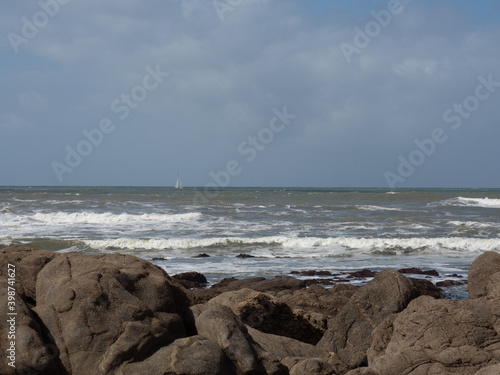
[250, 92]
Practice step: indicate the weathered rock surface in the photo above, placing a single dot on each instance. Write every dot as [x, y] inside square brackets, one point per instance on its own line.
[483, 267]
[350, 331]
[265, 313]
[218, 323]
[278, 283]
[313, 366]
[362, 371]
[28, 262]
[319, 300]
[490, 370]
[193, 355]
[438, 337]
[109, 309]
[120, 315]
[32, 347]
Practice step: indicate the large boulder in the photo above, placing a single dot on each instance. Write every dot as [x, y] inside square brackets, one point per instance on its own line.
[28, 262]
[219, 324]
[265, 313]
[483, 267]
[350, 331]
[438, 337]
[32, 347]
[106, 310]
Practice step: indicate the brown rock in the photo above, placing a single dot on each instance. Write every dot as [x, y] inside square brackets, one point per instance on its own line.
[438, 337]
[480, 271]
[312, 273]
[33, 349]
[316, 303]
[28, 262]
[362, 274]
[202, 255]
[109, 309]
[490, 370]
[418, 271]
[448, 283]
[244, 256]
[350, 331]
[313, 366]
[191, 279]
[282, 347]
[278, 283]
[265, 313]
[427, 288]
[362, 371]
[193, 355]
[218, 323]
[493, 287]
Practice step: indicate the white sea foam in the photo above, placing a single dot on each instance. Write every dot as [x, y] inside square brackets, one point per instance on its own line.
[471, 224]
[376, 208]
[110, 218]
[311, 246]
[474, 202]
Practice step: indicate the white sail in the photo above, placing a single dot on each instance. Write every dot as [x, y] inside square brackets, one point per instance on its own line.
[178, 183]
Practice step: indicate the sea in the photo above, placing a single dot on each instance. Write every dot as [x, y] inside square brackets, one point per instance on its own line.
[283, 230]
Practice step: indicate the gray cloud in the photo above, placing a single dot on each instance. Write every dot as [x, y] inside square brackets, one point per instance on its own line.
[353, 119]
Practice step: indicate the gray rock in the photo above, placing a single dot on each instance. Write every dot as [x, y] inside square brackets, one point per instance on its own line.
[480, 271]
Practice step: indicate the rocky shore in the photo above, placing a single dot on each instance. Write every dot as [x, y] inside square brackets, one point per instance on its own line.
[118, 314]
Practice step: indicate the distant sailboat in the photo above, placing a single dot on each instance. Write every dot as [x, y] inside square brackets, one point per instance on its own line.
[178, 183]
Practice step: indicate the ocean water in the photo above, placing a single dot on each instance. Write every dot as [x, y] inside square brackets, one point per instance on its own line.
[284, 229]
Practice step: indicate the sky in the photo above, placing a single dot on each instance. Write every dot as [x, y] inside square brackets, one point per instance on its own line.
[316, 93]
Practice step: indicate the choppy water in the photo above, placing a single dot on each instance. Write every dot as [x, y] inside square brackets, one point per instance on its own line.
[285, 229]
